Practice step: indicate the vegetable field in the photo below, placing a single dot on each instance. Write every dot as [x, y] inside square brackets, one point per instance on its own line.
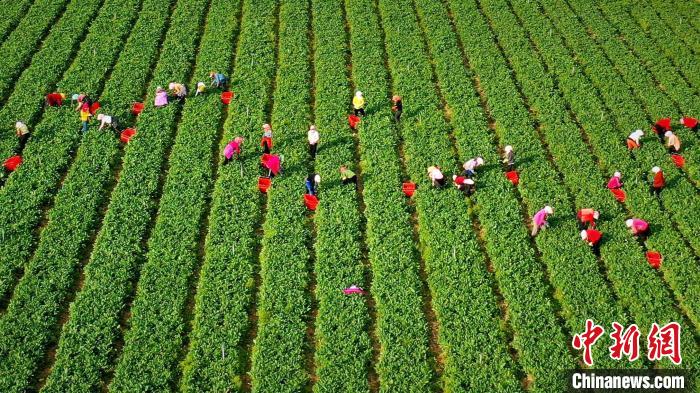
[155, 264]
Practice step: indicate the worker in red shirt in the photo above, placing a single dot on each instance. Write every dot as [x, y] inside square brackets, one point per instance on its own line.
[661, 126]
[54, 99]
[586, 218]
[690, 122]
[659, 181]
[592, 237]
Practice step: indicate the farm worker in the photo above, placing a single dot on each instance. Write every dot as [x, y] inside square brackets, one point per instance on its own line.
[233, 147]
[661, 126]
[539, 220]
[463, 184]
[672, 142]
[273, 163]
[436, 177]
[22, 132]
[347, 176]
[615, 181]
[638, 227]
[659, 181]
[587, 217]
[358, 103]
[397, 108]
[85, 116]
[201, 87]
[353, 289]
[217, 79]
[107, 121]
[690, 122]
[266, 142]
[634, 139]
[592, 237]
[471, 165]
[469, 187]
[161, 98]
[459, 182]
[313, 137]
[178, 89]
[82, 98]
[312, 183]
[509, 158]
[55, 99]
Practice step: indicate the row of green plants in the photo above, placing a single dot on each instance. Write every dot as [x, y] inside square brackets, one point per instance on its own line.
[94, 314]
[653, 60]
[686, 13]
[17, 50]
[278, 355]
[624, 110]
[681, 55]
[673, 19]
[11, 15]
[217, 353]
[156, 337]
[29, 324]
[665, 239]
[54, 140]
[343, 348]
[401, 327]
[618, 253]
[571, 267]
[640, 79]
[446, 227]
[25, 101]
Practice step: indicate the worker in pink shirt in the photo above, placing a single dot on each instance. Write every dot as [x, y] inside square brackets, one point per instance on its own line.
[233, 148]
[638, 227]
[615, 181]
[539, 220]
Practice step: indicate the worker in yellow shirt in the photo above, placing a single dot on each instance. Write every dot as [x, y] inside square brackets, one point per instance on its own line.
[358, 103]
[85, 116]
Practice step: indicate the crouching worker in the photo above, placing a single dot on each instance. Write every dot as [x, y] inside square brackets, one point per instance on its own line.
[634, 140]
[347, 176]
[54, 99]
[592, 237]
[312, 183]
[22, 132]
[539, 220]
[467, 186]
[437, 179]
[509, 158]
[586, 218]
[615, 181]
[233, 148]
[638, 228]
[108, 122]
[658, 182]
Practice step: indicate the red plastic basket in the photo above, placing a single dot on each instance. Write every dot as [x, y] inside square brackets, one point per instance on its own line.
[94, 107]
[12, 163]
[127, 135]
[408, 188]
[264, 184]
[513, 177]
[654, 258]
[678, 160]
[226, 97]
[310, 201]
[137, 108]
[353, 121]
[619, 195]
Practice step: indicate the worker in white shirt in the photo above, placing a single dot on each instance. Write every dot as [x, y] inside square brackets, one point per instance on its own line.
[313, 141]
